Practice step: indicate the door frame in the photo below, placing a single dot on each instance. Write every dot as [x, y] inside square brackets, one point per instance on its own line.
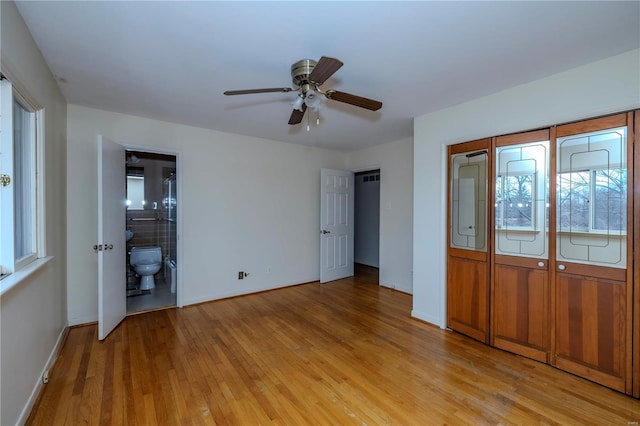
[178, 154]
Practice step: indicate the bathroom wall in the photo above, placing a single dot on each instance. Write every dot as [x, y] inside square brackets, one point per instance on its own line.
[146, 232]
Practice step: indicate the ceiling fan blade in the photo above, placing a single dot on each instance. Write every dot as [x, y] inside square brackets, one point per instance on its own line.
[296, 115]
[250, 91]
[350, 99]
[324, 69]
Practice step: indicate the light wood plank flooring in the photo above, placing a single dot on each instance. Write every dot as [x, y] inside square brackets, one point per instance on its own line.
[346, 352]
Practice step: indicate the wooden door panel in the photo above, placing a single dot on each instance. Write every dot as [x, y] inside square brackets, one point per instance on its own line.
[636, 272]
[521, 311]
[592, 273]
[336, 224]
[467, 242]
[591, 328]
[520, 278]
[467, 297]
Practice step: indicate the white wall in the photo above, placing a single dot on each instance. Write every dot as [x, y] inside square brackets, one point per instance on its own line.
[32, 314]
[603, 87]
[395, 161]
[248, 204]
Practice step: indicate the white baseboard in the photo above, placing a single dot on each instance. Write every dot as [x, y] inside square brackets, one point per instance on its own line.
[226, 295]
[53, 356]
[427, 318]
[400, 289]
[82, 320]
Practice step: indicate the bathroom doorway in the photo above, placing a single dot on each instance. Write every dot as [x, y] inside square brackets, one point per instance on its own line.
[151, 230]
[367, 225]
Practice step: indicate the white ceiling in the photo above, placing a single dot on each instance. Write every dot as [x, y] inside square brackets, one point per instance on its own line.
[172, 60]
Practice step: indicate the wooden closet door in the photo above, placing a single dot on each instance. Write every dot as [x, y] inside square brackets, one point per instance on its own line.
[467, 260]
[592, 293]
[636, 245]
[520, 284]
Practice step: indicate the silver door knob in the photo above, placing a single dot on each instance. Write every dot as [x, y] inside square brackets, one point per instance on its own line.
[324, 231]
[541, 264]
[562, 267]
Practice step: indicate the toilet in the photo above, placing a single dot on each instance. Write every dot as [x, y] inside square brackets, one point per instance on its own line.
[146, 261]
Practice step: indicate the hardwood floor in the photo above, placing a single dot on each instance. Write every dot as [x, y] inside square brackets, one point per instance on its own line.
[345, 352]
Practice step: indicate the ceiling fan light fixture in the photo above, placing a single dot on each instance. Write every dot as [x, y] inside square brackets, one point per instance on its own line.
[297, 104]
[313, 99]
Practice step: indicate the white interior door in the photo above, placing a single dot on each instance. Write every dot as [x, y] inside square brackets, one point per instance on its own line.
[112, 295]
[336, 224]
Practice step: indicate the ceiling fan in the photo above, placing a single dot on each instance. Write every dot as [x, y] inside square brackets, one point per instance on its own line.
[308, 75]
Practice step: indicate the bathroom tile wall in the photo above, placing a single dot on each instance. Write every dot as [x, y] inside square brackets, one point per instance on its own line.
[148, 232]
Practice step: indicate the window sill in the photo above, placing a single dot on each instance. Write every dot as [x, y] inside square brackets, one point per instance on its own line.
[596, 234]
[518, 230]
[12, 280]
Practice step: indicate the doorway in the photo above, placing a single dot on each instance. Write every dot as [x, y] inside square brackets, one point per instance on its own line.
[367, 225]
[151, 231]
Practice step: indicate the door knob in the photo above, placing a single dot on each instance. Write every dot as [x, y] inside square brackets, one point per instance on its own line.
[109, 247]
[562, 267]
[324, 231]
[5, 180]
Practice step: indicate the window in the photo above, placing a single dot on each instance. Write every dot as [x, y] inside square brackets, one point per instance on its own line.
[592, 200]
[609, 200]
[19, 214]
[573, 200]
[135, 193]
[515, 202]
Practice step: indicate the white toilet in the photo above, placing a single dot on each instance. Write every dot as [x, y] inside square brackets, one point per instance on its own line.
[146, 261]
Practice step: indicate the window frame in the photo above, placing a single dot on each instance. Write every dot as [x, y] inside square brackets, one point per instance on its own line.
[9, 264]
